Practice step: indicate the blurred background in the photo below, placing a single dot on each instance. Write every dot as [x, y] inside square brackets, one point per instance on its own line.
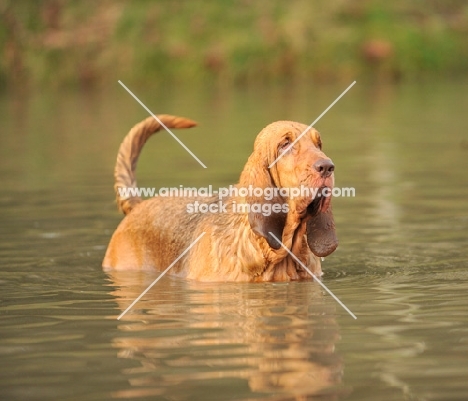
[399, 137]
[86, 43]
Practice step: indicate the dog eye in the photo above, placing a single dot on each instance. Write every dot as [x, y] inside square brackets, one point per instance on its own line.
[284, 144]
[317, 140]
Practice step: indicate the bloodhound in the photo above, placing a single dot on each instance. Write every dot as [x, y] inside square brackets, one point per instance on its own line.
[240, 243]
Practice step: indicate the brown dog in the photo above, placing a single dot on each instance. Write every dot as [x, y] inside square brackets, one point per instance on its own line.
[237, 245]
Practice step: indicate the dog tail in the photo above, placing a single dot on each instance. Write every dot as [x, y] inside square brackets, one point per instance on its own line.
[129, 151]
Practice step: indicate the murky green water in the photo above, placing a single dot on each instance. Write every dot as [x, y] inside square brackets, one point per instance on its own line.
[401, 266]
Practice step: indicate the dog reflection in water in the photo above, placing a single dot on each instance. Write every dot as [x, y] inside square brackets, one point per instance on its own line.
[278, 338]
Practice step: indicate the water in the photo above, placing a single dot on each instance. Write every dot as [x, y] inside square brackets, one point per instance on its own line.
[401, 265]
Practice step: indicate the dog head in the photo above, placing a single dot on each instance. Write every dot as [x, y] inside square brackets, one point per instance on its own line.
[300, 176]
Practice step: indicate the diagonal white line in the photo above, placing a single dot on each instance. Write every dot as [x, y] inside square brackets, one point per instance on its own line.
[162, 124]
[311, 125]
[314, 276]
[161, 275]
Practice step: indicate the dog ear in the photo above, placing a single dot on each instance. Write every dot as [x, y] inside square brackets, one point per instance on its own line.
[266, 215]
[263, 225]
[321, 235]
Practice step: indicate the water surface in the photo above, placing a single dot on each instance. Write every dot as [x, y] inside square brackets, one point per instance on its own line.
[401, 266]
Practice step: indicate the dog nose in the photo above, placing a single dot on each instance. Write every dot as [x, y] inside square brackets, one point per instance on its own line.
[324, 167]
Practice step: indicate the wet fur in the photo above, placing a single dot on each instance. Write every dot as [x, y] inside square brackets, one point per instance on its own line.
[236, 246]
